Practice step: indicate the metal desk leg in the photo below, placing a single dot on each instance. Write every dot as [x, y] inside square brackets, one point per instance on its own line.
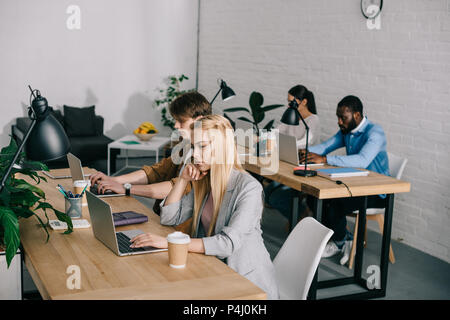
[108, 162]
[386, 242]
[294, 210]
[317, 211]
[360, 240]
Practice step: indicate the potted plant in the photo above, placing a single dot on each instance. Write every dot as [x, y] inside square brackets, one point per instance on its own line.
[167, 96]
[20, 199]
[258, 112]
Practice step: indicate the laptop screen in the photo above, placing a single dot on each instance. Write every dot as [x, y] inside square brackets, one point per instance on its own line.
[76, 170]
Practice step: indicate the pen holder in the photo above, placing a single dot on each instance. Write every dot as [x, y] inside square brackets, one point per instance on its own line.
[73, 207]
[78, 187]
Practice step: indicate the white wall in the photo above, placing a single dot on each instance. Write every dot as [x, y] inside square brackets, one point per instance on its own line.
[117, 60]
[401, 73]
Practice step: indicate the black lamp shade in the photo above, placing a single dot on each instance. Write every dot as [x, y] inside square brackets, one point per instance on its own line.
[291, 117]
[48, 140]
[227, 92]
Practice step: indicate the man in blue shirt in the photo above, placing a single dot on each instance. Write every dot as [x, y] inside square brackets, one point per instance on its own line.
[365, 144]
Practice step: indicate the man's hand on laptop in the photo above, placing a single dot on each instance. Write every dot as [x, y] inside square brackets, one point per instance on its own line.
[100, 176]
[103, 185]
[312, 157]
[149, 240]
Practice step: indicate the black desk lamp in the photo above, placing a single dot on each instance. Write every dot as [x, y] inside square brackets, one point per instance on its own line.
[45, 139]
[227, 92]
[291, 117]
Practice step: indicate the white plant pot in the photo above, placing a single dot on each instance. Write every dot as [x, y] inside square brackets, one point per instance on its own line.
[10, 279]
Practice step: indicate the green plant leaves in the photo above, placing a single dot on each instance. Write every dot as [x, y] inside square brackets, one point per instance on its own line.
[272, 107]
[236, 109]
[22, 185]
[35, 165]
[233, 124]
[168, 95]
[245, 119]
[11, 233]
[18, 198]
[256, 100]
[269, 125]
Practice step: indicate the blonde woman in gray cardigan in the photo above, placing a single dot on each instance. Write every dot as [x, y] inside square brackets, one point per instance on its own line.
[225, 205]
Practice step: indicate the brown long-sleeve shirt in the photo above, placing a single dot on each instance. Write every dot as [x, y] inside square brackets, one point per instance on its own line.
[165, 170]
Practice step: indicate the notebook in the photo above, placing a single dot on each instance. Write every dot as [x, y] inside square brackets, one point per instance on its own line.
[128, 217]
[342, 172]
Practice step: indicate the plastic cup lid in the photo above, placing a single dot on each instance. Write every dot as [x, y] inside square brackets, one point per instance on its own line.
[81, 183]
[178, 238]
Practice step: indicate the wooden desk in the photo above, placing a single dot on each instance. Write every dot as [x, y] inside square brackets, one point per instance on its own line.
[107, 276]
[322, 188]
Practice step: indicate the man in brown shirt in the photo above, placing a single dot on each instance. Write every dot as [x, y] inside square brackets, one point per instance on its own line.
[157, 180]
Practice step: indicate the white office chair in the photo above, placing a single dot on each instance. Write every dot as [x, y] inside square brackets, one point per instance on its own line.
[396, 165]
[298, 258]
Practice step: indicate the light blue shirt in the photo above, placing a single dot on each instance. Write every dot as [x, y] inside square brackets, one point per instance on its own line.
[365, 146]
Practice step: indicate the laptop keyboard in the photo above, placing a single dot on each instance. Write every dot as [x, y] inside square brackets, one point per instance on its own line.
[125, 243]
[94, 190]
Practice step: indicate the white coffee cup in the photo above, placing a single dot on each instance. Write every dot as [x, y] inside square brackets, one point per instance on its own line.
[178, 243]
[78, 186]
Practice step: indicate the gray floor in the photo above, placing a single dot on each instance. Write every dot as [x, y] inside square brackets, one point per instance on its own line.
[415, 275]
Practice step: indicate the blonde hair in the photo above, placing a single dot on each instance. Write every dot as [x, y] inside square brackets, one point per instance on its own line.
[224, 158]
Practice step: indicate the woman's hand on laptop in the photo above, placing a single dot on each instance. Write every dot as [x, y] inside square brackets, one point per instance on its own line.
[149, 240]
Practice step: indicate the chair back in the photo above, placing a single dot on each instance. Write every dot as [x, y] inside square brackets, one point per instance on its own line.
[396, 165]
[299, 257]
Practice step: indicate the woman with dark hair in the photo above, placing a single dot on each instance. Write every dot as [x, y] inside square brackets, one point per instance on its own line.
[279, 196]
[307, 108]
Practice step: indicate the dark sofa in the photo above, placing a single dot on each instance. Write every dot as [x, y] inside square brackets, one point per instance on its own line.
[92, 150]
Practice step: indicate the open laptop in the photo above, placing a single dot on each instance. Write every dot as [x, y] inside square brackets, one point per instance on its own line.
[76, 170]
[289, 152]
[104, 230]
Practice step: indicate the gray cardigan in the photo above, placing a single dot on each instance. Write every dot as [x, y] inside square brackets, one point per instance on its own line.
[237, 235]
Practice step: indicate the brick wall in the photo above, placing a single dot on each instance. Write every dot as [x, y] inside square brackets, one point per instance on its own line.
[401, 72]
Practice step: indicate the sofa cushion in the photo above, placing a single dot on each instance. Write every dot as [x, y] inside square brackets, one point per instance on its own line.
[90, 148]
[79, 122]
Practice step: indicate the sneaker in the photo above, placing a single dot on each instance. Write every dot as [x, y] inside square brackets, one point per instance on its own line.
[346, 252]
[331, 250]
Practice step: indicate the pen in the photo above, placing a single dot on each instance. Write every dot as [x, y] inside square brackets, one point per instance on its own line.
[63, 190]
[82, 192]
[65, 196]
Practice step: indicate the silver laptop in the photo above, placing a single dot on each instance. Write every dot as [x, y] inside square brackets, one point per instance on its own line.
[289, 152]
[288, 149]
[76, 170]
[104, 230]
